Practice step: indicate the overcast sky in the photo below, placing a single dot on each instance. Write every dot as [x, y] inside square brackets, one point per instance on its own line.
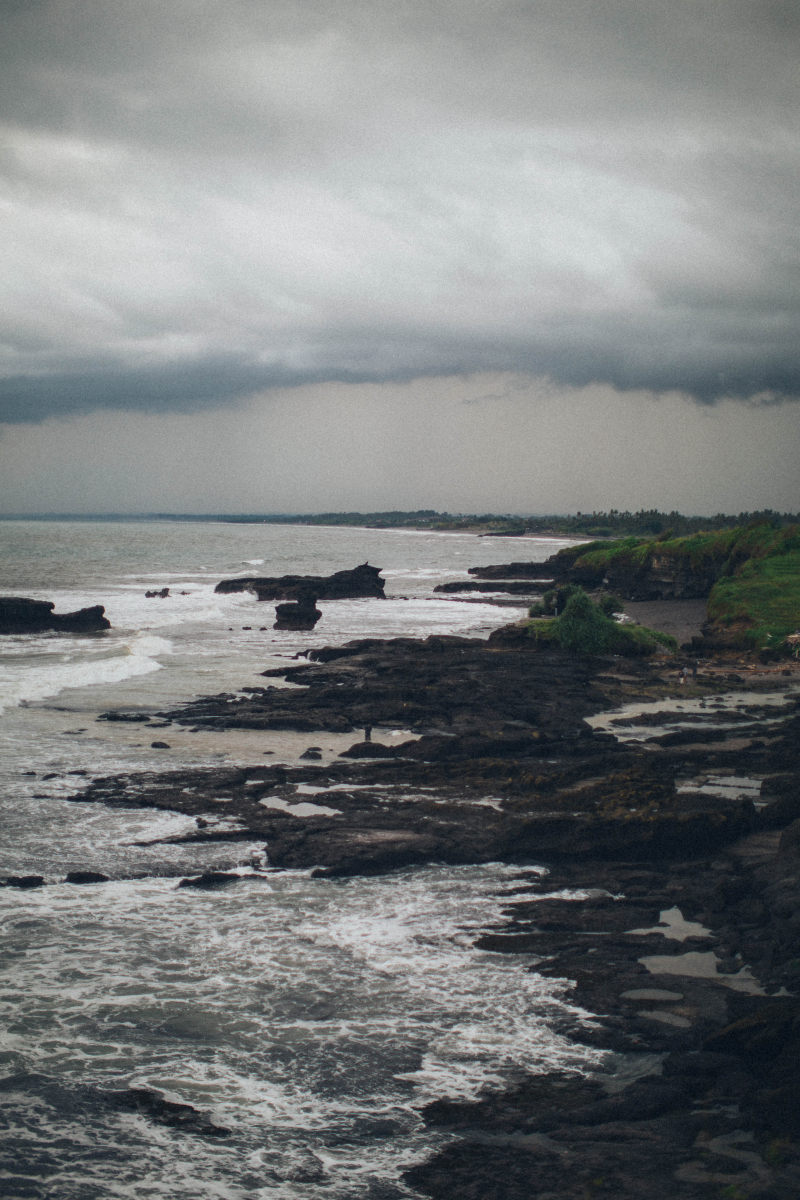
[291, 255]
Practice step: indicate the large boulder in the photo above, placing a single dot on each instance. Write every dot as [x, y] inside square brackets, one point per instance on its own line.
[342, 585]
[297, 614]
[18, 614]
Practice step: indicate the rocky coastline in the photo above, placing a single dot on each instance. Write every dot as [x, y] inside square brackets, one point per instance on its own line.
[660, 795]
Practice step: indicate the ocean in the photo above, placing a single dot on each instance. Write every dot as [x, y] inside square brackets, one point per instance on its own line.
[309, 1018]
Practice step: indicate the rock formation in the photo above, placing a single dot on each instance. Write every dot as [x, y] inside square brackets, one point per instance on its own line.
[18, 614]
[297, 614]
[342, 585]
[651, 577]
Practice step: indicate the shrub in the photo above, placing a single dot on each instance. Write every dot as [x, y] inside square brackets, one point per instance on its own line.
[611, 603]
[554, 600]
[583, 628]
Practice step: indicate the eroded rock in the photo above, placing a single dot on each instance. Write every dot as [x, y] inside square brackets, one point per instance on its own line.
[19, 614]
[341, 585]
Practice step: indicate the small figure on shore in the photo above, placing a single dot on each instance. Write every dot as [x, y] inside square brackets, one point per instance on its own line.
[367, 733]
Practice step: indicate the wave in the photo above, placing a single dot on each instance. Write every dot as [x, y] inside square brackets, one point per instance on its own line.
[23, 682]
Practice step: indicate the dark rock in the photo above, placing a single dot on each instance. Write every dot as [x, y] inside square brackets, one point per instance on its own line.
[120, 715]
[210, 881]
[18, 614]
[781, 794]
[790, 839]
[342, 585]
[445, 683]
[369, 750]
[165, 1112]
[23, 881]
[161, 594]
[516, 570]
[159, 746]
[86, 877]
[513, 587]
[656, 576]
[299, 614]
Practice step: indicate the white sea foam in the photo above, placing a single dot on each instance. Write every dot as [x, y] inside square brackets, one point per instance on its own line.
[311, 1017]
[23, 681]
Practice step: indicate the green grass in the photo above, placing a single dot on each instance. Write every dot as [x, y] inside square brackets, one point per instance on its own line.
[752, 573]
[722, 550]
[761, 601]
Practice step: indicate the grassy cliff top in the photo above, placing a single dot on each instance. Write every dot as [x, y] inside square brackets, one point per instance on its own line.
[752, 575]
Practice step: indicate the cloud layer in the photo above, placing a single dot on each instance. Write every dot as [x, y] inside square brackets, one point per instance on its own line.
[487, 443]
[201, 200]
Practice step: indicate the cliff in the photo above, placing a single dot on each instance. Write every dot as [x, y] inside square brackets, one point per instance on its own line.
[750, 577]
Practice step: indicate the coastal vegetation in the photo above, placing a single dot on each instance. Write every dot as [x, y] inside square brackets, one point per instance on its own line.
[585, 627]
[614, 523]
[749, 575]
[761, 601]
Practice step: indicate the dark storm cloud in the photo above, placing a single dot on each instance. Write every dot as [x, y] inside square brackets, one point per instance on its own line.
[204, 199]
[178, 387]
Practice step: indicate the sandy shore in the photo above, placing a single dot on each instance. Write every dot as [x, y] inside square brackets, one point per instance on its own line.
[682, 619]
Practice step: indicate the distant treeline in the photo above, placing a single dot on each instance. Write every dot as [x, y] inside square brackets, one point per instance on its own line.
[648, 522]
[614, 523]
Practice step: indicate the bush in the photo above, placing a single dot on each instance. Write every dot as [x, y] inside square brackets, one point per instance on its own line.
[610, 603]
[554, 600]
[583, 628]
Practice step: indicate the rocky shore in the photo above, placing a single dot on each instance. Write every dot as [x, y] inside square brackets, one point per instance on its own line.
[665, 808]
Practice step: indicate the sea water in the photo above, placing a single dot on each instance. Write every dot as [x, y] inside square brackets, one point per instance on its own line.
[310, 1018]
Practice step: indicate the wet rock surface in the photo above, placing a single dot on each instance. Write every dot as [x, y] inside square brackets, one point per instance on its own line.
[81, 877]
[715, 1110]
[297, 614]
[514, 587]
[672, 847]
[150, 1104]
[19, 614]
[341, 585]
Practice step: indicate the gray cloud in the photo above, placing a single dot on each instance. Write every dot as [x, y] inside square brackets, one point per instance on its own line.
[201, 200]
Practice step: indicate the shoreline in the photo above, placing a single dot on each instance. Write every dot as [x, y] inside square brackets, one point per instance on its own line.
[498, 763]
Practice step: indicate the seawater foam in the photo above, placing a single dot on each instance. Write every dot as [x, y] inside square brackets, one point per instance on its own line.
[310, 1017]
[127, 607]
[78, 663]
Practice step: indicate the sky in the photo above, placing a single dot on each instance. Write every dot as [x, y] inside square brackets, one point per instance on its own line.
[473, 255]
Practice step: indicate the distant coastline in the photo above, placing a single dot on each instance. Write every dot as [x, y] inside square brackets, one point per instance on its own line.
[614, 523]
